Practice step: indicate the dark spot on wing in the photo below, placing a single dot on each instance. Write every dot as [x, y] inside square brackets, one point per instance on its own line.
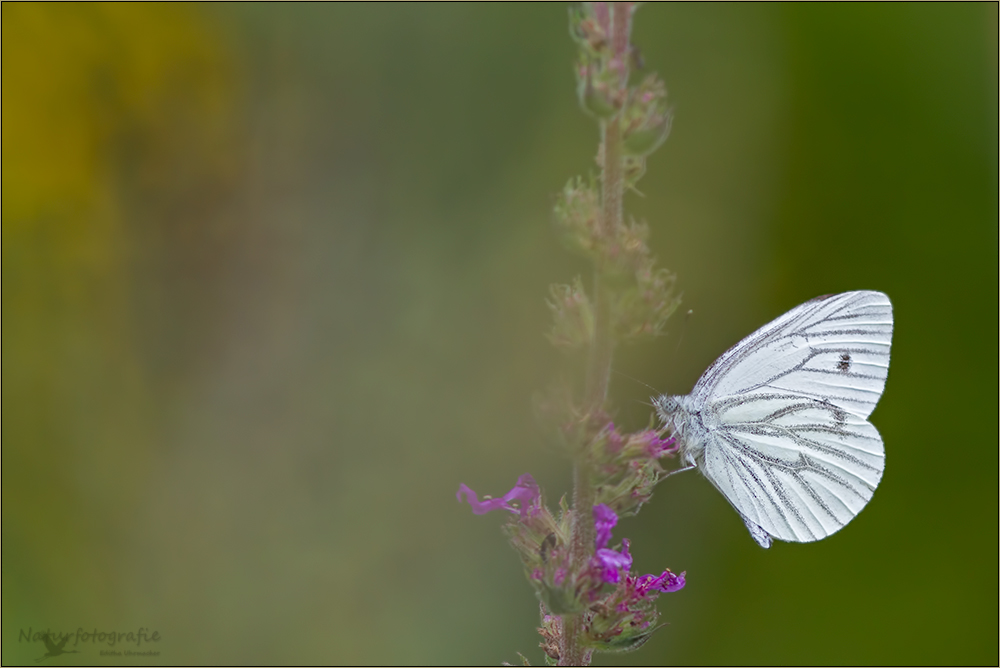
[845, 362]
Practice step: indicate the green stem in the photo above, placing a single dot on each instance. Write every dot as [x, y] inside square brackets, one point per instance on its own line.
[613, 190]
[581, 547]
[572, 651]
[602, 347]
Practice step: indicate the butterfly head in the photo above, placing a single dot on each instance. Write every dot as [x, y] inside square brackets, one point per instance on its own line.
[674, 413]
[666, 407]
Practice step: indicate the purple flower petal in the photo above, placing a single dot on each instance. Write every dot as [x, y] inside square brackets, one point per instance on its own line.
[659, 447]
[666, 582]
[525, 492]
[615, 441]
[604, 520]
[611, 563]
[479, 507]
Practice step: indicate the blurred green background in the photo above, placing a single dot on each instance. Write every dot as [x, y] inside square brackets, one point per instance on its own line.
[273, 286]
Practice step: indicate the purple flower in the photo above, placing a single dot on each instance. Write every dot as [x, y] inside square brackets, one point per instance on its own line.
[666, 582]
[614, 439]
[608, 562]
[611, 563]
[525, 492]
[657, 447]
[604, 520]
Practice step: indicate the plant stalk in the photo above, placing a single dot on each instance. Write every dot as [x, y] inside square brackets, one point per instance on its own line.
[572, 651]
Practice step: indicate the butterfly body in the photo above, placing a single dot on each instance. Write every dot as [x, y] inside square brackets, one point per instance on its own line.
[779, 423]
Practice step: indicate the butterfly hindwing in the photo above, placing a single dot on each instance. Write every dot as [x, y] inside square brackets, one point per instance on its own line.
[801, 472]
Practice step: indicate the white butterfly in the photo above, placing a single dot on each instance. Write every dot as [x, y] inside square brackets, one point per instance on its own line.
[779, 424]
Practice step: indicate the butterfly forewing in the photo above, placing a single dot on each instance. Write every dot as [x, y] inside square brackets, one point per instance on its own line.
[833, 348]
[786, 435]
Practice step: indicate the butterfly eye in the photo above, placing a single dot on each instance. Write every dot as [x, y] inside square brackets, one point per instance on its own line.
[666, 406]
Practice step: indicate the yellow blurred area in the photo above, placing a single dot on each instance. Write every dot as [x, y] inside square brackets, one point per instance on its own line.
[101, 103]
[79, 80]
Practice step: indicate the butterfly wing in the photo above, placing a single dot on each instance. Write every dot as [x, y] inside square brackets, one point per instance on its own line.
[785, 410]
[833, 348]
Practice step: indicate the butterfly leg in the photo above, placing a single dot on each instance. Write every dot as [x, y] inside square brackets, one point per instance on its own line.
[686, 468]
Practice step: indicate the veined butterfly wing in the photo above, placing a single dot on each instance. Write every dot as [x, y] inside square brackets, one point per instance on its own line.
[833, 348]
[779, 423]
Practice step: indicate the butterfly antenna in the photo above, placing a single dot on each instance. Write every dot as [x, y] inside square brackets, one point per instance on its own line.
[680, 339]
[637, 380]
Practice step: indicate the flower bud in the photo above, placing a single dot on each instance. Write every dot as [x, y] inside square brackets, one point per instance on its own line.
[577, 218]
[586, 30]
[644, 308]
[627, 252]
[646, 120]
[573, 316]
[551, 632]
[647, 138]
[633, 170]
[598, 90]
[622, 638]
